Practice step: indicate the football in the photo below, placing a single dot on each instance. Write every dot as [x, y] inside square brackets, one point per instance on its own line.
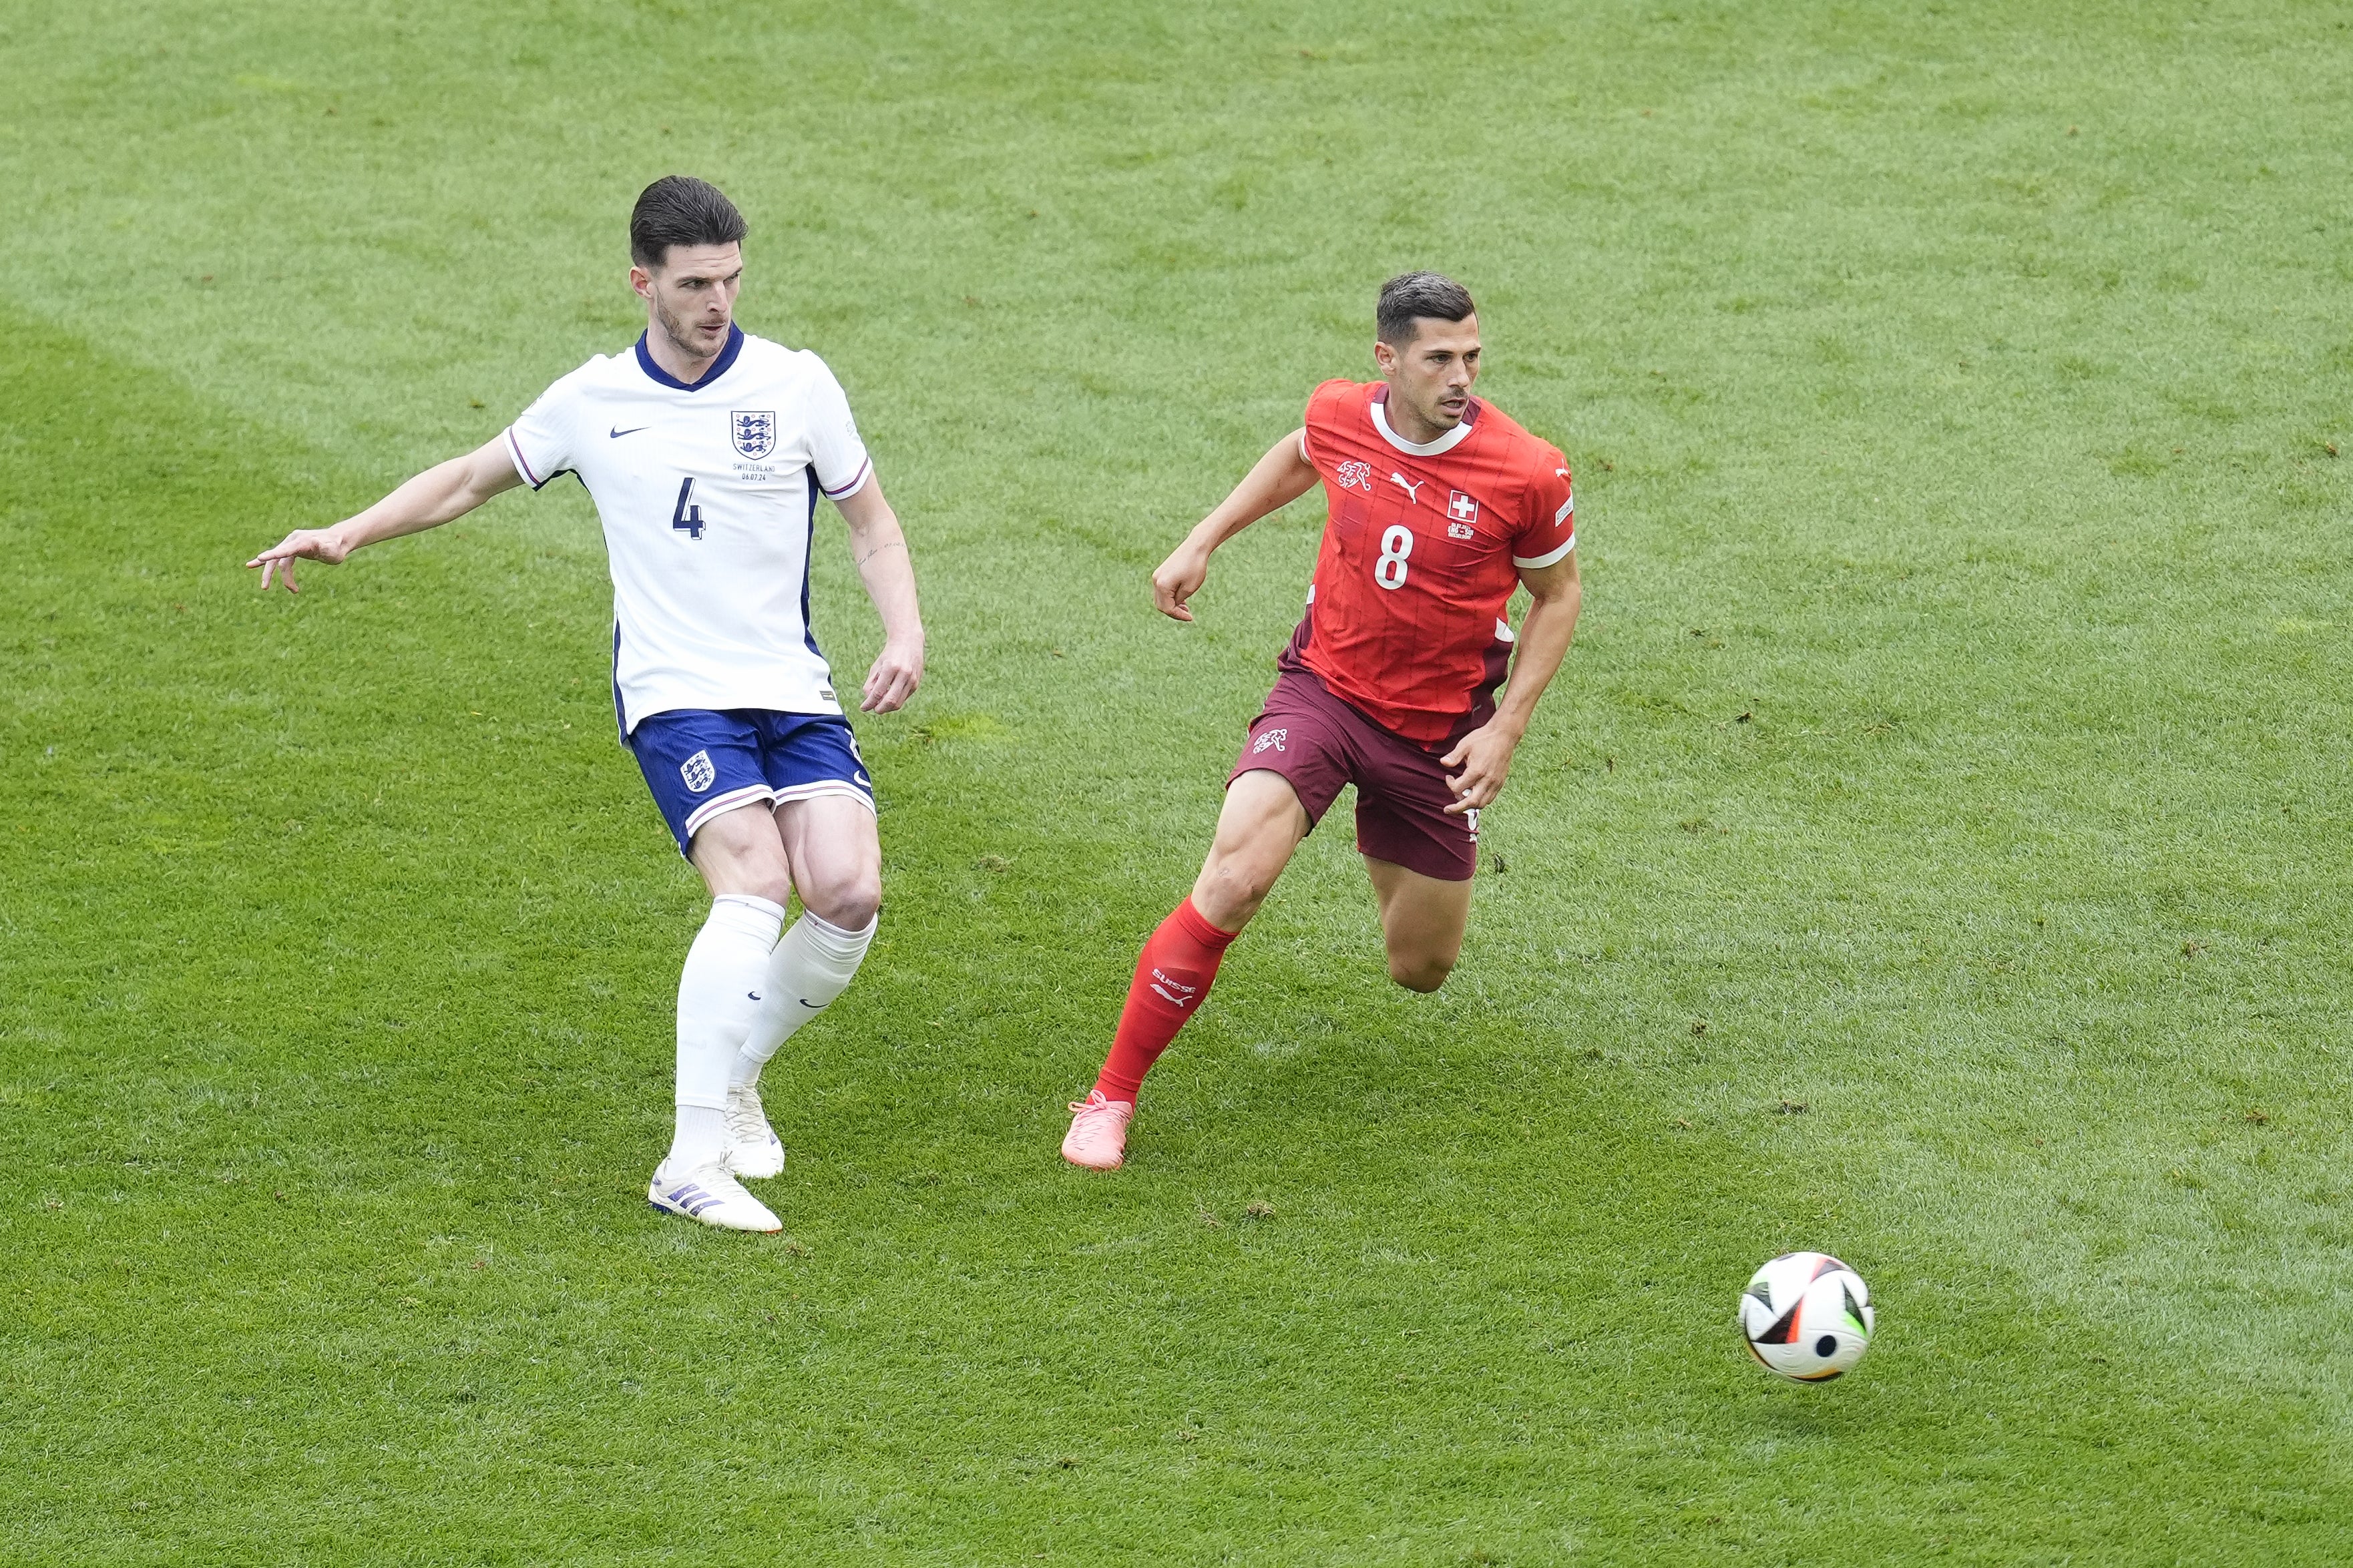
[1807, 1317]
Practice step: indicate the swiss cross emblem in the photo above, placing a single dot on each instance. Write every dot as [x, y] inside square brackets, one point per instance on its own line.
[1462, 508]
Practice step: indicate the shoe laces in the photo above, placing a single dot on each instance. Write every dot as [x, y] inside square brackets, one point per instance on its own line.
[1099, 1104]
[747, 1121]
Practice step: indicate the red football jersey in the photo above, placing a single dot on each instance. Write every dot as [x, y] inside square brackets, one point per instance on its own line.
[1422, 546]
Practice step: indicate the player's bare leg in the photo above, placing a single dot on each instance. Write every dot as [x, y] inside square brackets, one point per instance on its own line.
[1422, 921]
[1259, 829]
[741, 852]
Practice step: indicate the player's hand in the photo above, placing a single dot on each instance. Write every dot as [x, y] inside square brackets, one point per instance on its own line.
[303, 544]
[1485, 756]
[897, 671]
[1178, 579]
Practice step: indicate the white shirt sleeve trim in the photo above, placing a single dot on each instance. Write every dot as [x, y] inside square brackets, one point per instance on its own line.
[514, 450]
[1532, 562]
[857, 482]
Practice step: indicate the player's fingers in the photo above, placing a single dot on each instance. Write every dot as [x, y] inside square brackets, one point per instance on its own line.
[888, 688]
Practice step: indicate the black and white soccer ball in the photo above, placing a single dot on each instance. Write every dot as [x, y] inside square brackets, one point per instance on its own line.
[1807, 1317]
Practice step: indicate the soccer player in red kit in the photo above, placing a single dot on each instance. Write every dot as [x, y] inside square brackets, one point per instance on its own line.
[1439, 506]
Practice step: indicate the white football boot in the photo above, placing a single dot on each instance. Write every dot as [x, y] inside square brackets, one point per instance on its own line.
[708, 1193]
[753, 1150]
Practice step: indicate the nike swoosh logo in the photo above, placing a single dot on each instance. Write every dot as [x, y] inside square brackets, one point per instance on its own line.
[617, 435]
[812, 1006]
[754, 995]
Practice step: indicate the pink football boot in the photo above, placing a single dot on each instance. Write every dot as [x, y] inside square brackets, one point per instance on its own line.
[1098, 1136]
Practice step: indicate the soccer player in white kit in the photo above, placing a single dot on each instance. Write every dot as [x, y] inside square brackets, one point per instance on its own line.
[705, 450]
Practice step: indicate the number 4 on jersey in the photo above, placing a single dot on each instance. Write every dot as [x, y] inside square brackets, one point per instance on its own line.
[687, 518]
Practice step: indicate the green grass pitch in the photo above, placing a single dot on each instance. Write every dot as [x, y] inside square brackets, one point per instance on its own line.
[1935, 849]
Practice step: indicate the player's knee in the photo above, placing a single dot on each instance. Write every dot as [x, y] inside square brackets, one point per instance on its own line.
[1230, 890]
[1421, 972]
[851, 902]
[777, 887]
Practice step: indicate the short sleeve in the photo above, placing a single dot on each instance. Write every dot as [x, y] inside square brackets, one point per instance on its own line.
[540, 441]
[835, 450]
[1321, 418]
[1548, 533]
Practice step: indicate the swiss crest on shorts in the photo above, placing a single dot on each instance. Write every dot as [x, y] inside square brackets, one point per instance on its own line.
[754, 431]
[697, 772]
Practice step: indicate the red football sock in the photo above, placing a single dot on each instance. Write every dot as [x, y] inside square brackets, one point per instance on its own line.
[1172, 974]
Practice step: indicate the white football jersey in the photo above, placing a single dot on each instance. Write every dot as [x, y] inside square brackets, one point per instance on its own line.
[708, 494]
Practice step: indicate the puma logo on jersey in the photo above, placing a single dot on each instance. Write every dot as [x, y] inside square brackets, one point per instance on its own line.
[1412, 498]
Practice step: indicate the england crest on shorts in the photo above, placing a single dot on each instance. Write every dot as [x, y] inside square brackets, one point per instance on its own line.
[697, 772]
[754, 432]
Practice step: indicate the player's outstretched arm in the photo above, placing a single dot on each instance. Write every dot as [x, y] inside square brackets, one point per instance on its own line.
[440, 493]
[1484, 754]
[880, 547]
[1280, 477]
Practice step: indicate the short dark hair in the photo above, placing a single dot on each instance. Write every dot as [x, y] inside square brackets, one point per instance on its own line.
[1411, 297]
[679, 209]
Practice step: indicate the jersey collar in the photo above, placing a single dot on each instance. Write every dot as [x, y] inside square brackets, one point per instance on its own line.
[1446, 443]
[718, 366]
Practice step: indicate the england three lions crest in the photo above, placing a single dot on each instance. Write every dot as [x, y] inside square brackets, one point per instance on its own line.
[754, 433]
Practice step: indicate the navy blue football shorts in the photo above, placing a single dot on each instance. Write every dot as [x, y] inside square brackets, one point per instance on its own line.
[698, 762]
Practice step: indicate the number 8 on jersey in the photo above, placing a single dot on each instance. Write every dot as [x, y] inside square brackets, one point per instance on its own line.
[1396, 545]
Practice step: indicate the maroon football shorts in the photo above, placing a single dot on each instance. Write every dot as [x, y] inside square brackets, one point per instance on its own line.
[1318, 744]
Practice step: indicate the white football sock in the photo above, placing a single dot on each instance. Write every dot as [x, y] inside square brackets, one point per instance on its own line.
[811, 966]
[718, 993]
